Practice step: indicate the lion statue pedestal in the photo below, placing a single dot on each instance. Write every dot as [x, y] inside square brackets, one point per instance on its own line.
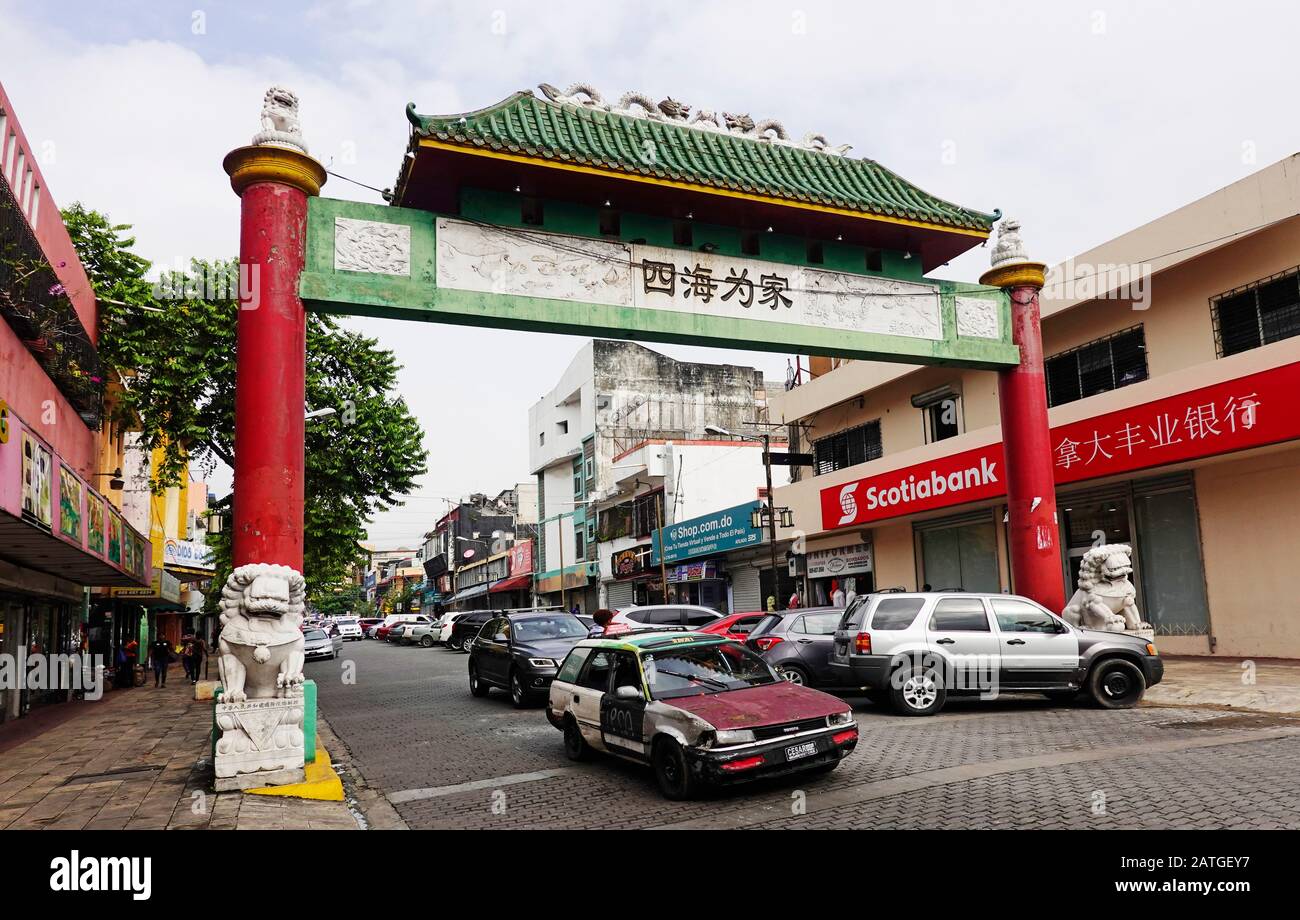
[260, 712]
[1106, 598]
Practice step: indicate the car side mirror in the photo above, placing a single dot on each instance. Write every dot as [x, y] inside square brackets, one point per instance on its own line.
[628, 692]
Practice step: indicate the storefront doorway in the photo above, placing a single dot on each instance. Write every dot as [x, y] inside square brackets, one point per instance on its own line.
[959, 553]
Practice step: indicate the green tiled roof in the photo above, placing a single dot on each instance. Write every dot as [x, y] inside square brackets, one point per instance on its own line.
[525, 125]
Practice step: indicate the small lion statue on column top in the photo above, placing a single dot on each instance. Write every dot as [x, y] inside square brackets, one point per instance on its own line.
[280, 124]
[261, 642]
[1106, 598]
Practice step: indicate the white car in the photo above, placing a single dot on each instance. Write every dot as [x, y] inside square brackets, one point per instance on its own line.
[686, 615]
[446, 623]
[349, 628]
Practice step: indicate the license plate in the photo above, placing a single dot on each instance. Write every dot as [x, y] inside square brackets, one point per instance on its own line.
[796, 751]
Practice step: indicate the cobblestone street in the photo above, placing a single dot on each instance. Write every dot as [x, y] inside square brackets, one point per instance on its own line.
[446, 759]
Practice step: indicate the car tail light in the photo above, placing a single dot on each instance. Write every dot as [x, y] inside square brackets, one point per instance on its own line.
[744, 763]
[766, 642]
[863, 643]
[845, 737]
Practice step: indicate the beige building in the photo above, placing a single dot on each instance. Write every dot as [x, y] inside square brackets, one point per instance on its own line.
[1172, 357]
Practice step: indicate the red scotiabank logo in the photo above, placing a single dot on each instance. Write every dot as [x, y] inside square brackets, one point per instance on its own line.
[1236, 415]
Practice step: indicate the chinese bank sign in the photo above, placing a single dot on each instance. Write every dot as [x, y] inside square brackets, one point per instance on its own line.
[708, 534]
[1239, 414]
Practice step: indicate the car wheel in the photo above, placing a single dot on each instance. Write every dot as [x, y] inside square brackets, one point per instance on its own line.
[671, 771]
[794, 674]
[1116, 684]
[476, 686]
[426, 641]
[575, 746]
[518, 695]
[917, 692]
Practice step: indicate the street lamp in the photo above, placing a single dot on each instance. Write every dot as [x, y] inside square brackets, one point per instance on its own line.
[320, 413]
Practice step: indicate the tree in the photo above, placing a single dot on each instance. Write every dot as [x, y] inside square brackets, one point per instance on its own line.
[173, 343]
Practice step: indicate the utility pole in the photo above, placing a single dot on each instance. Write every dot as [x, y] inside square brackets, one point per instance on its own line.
[559, 530]
[771, 519]
[663, 565]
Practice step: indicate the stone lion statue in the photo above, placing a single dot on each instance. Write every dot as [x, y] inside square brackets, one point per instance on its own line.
[1106, 598]
[261, 642]
[280, 123]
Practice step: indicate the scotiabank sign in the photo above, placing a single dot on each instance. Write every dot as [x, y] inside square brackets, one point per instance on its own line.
[1235, 415]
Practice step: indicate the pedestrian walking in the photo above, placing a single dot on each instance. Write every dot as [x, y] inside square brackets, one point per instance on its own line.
[160, 654]
[192, 657]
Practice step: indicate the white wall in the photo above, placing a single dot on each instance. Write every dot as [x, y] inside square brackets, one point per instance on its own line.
[572, 401]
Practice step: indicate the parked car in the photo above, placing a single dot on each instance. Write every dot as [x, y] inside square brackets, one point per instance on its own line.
[661, 615]
[734, 625]
[422, 634]
[917, 649]
[318, 643]
[521, 652]
[697, 708]
[394, 619]
[467, 627]
[368, 626]
[798, 643]
[349, 628]
[446, 623]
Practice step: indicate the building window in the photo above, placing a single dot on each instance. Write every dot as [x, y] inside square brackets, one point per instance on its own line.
[1098, 367]
[847, 448]
[1259, 314]
[645, 514]
[563, 426]
[579, 549]
[541, 438]
[940, 413]
[577, 478]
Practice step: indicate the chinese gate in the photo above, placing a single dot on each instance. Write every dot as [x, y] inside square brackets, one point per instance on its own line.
[629, 220]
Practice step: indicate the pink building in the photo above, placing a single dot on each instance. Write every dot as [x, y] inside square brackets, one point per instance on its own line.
[59, 535]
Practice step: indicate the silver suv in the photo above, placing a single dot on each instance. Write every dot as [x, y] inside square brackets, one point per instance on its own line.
[914, 650]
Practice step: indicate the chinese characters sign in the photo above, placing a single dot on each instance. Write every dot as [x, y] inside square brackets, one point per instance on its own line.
[1239, 414]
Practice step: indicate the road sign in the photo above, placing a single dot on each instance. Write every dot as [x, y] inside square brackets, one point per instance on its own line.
[788, 459]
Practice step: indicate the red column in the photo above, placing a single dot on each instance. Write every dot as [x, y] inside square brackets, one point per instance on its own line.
[273, 184]
[1031, 485]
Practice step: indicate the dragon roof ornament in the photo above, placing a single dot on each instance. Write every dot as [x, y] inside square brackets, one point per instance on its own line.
[639, 105]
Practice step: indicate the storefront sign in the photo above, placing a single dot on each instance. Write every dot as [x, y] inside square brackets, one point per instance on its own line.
[628, 562]
[95, 524]
[695, 571]
[708, 534]
[164, 587]
[1239, 414]
[521, 558]
[843, 560]
[70, 494]
[37, 495]
[187, 554]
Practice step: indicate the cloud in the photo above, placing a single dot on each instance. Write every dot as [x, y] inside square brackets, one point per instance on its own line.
[1082, 121]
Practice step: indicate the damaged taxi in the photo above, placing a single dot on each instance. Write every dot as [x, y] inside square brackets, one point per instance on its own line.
[699, 709]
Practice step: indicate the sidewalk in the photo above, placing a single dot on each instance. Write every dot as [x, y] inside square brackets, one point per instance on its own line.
[1220, 682]
[139, 759]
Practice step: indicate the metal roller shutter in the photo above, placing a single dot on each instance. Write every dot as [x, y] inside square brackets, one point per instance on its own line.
[746, 593]
[620, 594]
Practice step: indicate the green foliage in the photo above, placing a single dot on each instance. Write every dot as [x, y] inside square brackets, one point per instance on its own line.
[173, 344]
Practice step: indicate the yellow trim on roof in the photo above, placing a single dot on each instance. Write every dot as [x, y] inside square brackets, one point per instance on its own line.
[705, 189]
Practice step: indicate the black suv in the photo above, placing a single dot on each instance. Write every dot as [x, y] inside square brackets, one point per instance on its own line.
[466, 628]
[522, 652]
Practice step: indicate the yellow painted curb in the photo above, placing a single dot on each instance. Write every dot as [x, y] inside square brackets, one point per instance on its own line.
[322, 783]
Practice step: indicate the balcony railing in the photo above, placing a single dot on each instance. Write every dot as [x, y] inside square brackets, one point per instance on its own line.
[40, 312]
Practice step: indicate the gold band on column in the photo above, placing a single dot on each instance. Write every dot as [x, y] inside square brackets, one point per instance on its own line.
[1017, 274]
[267, 163]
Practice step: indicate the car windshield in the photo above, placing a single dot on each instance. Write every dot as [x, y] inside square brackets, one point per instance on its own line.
[315, 634]
[346, 621]
[560, 626]
[694, 670]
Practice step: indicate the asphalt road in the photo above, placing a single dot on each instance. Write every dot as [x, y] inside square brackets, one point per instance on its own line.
[447, 760]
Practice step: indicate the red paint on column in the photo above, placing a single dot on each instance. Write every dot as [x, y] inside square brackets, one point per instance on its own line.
[1022, 397]
[271, 378]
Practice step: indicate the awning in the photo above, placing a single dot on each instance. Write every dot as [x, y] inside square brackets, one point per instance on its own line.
[472, 591]
[513, 583]
[27, 545]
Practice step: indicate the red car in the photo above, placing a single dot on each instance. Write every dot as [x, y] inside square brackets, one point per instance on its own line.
[733, 626]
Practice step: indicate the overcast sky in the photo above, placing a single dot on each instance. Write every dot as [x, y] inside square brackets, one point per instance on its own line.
[1081, 119]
